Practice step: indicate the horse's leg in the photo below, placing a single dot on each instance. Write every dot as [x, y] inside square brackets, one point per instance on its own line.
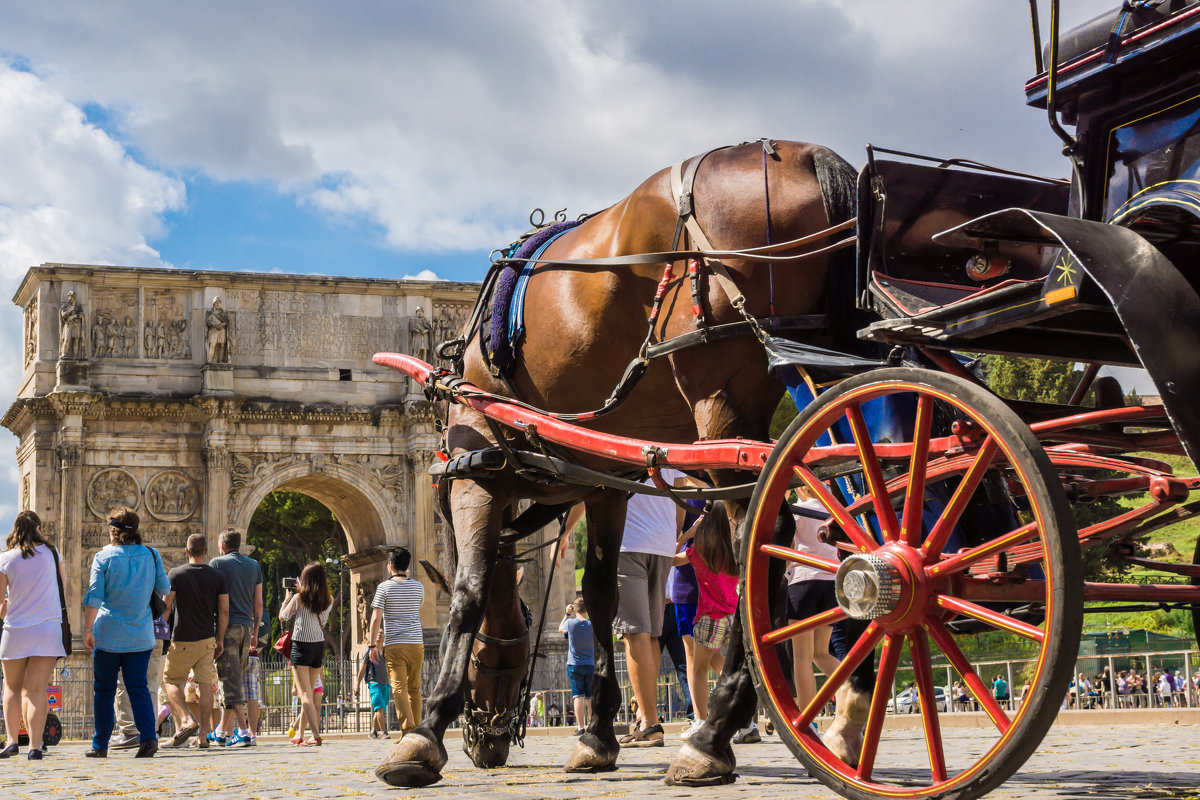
[417, 759]
[597, 748]
[853, 698]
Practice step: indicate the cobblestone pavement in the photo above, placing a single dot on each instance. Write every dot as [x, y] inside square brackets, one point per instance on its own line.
[1085, 761]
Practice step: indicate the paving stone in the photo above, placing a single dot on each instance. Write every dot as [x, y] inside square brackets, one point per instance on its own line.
[1082, 762]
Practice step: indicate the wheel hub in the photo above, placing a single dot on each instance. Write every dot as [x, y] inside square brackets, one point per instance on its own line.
[867, 586]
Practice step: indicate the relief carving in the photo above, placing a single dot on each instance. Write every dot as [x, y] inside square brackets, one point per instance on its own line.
[165, 333]
[70, 315]
[171, 496]
[110, 488]
[387, 471]
[31, 330]
[449, 320]
[95, 535]
[249, 469]
[24, 492]
[113, 338]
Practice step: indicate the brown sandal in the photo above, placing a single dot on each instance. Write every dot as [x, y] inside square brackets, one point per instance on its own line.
[651, 736]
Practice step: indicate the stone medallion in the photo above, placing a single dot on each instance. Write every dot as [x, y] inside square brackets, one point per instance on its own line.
[171, 496]
[111, 488]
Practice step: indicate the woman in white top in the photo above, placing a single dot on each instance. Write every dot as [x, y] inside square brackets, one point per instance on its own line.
[810, 591]
[32, 638]
[309, 602]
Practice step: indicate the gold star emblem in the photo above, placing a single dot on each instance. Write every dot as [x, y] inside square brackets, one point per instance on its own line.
[1066, 271]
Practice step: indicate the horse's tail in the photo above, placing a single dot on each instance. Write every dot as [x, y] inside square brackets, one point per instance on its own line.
[839, 189]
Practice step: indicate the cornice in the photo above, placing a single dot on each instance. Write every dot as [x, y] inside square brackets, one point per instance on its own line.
[201, 279]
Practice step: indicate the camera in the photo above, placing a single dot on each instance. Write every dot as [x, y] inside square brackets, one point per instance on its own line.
[291, 583]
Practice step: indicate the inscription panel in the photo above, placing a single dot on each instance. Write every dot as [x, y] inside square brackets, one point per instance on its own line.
[299, 328]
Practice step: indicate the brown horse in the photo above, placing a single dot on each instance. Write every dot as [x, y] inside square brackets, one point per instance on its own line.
[584, 323]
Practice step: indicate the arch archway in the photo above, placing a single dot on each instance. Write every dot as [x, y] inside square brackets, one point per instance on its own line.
[368, 516]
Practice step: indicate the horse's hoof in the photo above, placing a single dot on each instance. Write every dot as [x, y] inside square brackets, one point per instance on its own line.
[692, 767]
[414, 761]
[845, 735]
[593, 755]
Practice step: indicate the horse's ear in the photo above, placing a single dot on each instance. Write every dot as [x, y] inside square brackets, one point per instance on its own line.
[436, 576]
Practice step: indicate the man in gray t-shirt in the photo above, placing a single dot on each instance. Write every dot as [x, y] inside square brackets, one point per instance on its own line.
[243, 578]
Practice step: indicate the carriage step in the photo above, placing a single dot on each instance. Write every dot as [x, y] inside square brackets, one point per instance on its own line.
[470, 465]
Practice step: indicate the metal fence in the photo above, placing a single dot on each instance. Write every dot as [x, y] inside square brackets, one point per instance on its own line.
[342, 711]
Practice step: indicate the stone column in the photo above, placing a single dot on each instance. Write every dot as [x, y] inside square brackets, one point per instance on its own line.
[217, 480]
[424, 533]
[70, 517]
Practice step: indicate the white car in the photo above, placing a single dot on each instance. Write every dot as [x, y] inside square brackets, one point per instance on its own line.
[903, 702]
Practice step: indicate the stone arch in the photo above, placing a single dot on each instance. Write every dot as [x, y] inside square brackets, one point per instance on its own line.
[367, 514]
[362, 506]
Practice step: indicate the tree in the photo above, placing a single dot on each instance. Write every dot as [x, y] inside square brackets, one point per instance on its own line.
[1033, 379]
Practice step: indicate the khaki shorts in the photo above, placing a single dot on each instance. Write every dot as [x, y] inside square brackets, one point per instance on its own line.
[641, 593]
[183, 657]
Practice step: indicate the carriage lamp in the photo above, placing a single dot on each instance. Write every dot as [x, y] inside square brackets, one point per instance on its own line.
[867, 586]
[985, 266]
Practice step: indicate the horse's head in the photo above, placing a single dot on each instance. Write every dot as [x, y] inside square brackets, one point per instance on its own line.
[494, 715]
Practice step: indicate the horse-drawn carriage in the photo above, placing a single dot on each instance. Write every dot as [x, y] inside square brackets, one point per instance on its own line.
[951, 506]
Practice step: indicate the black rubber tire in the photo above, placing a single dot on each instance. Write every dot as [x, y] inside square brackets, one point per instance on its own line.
[1063, 628]
[52, 733]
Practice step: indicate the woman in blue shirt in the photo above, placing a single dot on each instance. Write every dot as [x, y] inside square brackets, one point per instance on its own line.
[118, 630]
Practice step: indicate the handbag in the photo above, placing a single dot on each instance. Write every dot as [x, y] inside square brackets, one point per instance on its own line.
[158, 606]
[62, 602]
[284, 643]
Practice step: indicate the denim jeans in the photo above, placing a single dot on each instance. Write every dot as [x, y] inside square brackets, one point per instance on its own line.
[133, 668]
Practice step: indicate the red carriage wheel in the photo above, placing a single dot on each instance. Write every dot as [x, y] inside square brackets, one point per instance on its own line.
[965, 461]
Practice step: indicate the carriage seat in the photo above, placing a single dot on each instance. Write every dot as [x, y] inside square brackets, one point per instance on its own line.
[910, 298]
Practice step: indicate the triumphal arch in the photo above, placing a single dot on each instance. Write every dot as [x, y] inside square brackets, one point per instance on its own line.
[190, 395]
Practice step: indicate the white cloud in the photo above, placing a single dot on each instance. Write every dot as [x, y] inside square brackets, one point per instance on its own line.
[423, 275]
[69, 193]
[445, 123]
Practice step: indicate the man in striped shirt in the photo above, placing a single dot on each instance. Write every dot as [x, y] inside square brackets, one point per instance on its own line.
[396, 626]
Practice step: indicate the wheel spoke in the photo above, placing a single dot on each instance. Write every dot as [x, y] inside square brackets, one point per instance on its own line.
[945, 642]
[958, 503]
[861, 649]
[888, 523]
[918, 647]
[799, 557]
[963, 560]
[914, 498]
[888, 659]
[993, 618]
[802, 625]
[861, 539]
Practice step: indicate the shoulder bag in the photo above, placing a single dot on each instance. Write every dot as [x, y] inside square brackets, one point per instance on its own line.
[62, 602]
[284, 643]
[158, 606]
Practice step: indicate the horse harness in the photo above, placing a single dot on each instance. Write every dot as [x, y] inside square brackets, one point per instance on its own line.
[703, 255]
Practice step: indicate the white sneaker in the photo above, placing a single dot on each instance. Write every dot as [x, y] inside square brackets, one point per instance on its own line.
[691, 728]
[748, 735]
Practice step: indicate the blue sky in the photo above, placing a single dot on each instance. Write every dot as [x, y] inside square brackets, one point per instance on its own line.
[385, 139]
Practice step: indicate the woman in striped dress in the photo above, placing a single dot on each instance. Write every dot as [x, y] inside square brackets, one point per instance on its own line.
[309, 602]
